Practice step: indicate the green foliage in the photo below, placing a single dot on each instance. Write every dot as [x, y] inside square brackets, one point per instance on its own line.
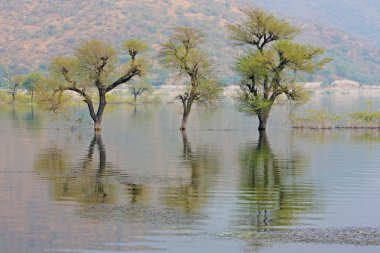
[4, 97]
[50, 97]
[319, 119]
[252, 105]
[365, 119]
[182, 54]
[209, 92]
[270, 69]
[96, 60]
[92, 69]
[17, 80]
[299, 57]
[135, 46]
[260, 28]
[116, 98]
[31, 80]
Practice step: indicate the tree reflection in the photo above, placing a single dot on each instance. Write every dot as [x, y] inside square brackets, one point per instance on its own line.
[202, 166]
[24, 116]
[86, 182]
[274, 191]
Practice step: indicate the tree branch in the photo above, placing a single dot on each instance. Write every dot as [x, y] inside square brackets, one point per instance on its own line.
[87, 100]
[133, 72]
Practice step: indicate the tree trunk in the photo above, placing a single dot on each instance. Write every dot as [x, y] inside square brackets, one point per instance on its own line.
[187, 103]
[97, 124]
[263, 118]
[185, 116]
[99, 114]
[13, 93]
[13, 97]
[262, 124]
[186, 144]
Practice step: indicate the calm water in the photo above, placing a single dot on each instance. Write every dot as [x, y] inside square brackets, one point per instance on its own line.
[142, 186]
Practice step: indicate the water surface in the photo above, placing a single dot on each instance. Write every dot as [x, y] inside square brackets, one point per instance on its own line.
[142, 186]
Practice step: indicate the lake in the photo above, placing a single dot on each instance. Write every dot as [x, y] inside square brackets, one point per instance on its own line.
[143, 186]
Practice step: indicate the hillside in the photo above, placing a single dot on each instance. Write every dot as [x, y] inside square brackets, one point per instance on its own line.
[33, 31]
[358, 18]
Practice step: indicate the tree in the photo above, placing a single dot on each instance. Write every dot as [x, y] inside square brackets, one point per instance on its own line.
[11, 77]
[30, 82]
[93, 67]
[14, 83]
[139, 88]
[182, 54]
[270, 67]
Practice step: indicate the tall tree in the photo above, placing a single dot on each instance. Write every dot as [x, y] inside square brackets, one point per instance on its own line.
[93, 67]
[270, 66]
[182, 54]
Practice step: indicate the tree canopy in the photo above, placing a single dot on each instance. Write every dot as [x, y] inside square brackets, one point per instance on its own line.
[93, 67]
[183, 55]
[271, 63]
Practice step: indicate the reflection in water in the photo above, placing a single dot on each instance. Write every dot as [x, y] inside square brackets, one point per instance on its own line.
[85, 182]
[273, 190]
[24, 116]
[202, 166]
[366, 135]
[318, 135]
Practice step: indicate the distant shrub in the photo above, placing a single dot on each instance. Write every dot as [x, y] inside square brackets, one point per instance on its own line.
[321, 119]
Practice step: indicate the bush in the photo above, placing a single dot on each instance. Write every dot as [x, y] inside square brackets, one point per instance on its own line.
[319, 119]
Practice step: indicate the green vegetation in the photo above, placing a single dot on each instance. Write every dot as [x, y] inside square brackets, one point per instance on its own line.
[11, 78]
[182, 54]
[323, 119]
[30, 82]
[269, 65]
[269, 69]
[93, 68]
[273, 187]
[365, 119]
[318, 119]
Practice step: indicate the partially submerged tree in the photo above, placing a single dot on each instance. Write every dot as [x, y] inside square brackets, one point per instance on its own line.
[270, 68]
[92, 68]
[139, 88]
[182, 54]
[14, 84]
[30, 82]
[11, 77]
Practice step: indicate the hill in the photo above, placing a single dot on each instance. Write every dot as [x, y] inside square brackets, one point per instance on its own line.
[33, 31]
